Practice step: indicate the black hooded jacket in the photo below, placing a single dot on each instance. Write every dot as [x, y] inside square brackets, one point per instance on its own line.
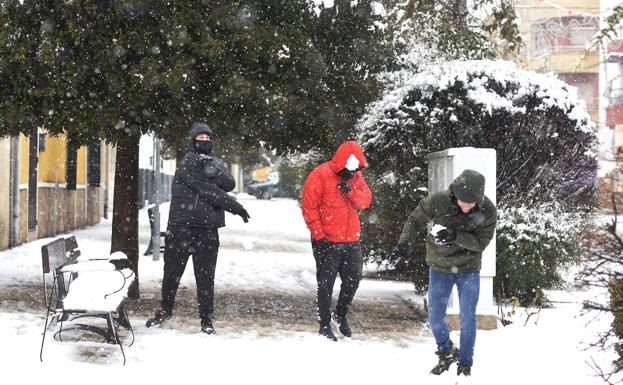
[200, 186]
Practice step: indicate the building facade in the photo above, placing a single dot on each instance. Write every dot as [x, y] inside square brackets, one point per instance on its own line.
[558, 38]
[49, 187]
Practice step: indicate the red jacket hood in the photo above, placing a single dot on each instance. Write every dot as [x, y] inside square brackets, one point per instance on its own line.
[342, 154]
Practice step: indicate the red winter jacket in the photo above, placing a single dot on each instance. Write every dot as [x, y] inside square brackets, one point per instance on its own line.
[328, 211]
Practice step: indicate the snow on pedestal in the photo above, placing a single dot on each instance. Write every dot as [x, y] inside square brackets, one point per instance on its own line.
[443, 168]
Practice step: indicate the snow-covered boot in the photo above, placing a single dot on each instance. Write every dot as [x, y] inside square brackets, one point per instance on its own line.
[206, 327]
[342, 325]
[159, 317]
[326, 331]
[446, 359]
[463, 369]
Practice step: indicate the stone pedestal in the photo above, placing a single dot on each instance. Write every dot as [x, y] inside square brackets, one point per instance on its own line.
[443, 168]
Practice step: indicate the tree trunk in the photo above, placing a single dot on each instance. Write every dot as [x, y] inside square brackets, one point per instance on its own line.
[459, 10]
[125, 207]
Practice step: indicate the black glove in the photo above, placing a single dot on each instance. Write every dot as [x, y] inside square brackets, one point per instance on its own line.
[121, 264]
[343, 185]
[210, 171]
[445, 236]
[244, 215]
[401, 251]
[346, 173]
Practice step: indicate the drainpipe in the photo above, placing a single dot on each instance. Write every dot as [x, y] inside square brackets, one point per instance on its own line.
[156, 210]
[14, 193]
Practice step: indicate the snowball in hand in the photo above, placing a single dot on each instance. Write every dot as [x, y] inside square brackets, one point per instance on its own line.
[352, 163]
[436, 228]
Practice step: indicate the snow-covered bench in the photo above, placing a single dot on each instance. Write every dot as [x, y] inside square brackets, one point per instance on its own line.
[84, 288]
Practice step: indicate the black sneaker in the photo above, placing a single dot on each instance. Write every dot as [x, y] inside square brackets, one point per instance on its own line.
[206, 327]
[342, 325]
[446, 359]
[326, 331]
[463, 369]
[159, 317]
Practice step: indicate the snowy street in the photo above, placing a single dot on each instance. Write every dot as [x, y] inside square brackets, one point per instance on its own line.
[265, 320]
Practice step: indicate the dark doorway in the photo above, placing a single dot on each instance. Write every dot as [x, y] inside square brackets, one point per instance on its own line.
[33, 161]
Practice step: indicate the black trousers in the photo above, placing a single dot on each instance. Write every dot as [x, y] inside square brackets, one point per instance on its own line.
[331, 259]
[180, 243]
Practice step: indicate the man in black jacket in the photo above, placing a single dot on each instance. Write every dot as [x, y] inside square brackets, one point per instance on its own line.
[198, 204]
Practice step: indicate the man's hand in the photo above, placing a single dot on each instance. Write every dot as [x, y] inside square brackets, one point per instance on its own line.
[322, 243]
[343, 185]
[445, 236]
[401, 251]
[244, 215]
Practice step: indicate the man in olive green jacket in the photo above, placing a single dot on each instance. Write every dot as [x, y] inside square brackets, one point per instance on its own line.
[464, 222]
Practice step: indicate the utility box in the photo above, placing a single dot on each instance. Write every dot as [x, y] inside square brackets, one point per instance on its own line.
[443, 168]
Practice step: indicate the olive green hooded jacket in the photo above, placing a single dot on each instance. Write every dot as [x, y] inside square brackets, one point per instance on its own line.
[474, 230]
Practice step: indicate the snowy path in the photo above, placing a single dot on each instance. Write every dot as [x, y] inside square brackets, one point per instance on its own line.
[265, 288]
[265, 313]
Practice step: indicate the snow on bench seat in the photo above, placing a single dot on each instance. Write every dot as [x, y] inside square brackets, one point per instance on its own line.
[99, 287]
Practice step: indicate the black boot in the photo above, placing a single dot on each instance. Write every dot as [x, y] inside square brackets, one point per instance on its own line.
[446, 359]
[326, 331]
[159, 317]
[342, 325]
[206, 327]
[463, 369]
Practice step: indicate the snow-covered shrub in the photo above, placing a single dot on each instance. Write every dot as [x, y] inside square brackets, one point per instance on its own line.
[534, 245]
[540, 129]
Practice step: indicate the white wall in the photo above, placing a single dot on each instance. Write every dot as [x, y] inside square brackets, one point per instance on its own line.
[146, 152]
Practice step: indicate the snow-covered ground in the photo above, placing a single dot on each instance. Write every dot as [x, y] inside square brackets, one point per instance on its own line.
[271, 255]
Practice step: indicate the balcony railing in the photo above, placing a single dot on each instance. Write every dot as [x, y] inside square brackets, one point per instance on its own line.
[615, 96]
[563, 34]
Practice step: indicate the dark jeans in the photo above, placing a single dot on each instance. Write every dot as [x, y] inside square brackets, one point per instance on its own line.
[439, 290]
[180, 243]
[332, 258]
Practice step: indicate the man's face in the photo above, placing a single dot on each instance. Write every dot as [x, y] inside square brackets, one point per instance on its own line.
[465, 207]
[202, 137]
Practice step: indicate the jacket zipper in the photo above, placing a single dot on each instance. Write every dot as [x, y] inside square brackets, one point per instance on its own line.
[348, 207]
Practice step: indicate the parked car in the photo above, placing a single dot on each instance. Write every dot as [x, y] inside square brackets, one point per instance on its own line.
[267, 190]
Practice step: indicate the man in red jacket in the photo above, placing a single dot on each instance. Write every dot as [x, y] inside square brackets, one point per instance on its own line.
[332, 194]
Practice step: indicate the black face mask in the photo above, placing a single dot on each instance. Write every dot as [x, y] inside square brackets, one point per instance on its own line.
[346, 173]
[203, 146]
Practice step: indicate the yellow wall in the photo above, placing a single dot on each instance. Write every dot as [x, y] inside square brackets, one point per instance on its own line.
[23, 159]
[81, 174]
[567, 62]
[52, 161]
[5, 184]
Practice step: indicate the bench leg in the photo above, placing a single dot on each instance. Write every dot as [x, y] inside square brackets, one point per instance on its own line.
[111, 324]
[124, 321]
[45, 329]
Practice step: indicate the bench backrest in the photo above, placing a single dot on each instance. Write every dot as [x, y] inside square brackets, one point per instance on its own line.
[53, 254]
[71, 248]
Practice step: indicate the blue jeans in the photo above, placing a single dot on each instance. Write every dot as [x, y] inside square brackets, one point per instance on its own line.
[439, 290]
